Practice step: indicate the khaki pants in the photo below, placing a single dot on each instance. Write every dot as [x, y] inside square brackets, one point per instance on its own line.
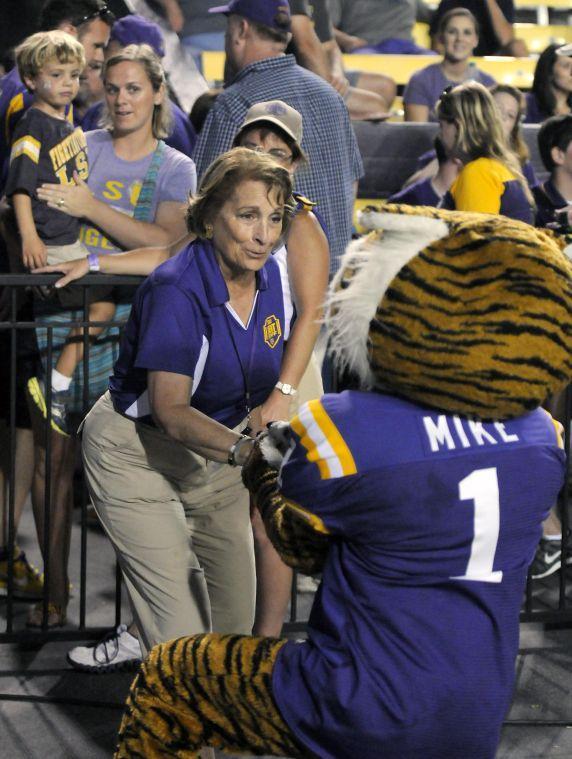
[58, 254]
[179, 524]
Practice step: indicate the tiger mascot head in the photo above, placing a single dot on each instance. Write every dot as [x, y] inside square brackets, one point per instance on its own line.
[467, 313]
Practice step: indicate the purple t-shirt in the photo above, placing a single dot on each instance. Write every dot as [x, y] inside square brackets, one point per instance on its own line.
[534, 113]
[118, 183]
[426, 86]
[420, 193]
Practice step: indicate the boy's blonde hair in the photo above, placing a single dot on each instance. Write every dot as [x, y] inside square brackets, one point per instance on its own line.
[42, 47]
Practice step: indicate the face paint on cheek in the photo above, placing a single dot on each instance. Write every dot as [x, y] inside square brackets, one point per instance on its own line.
[46, 85]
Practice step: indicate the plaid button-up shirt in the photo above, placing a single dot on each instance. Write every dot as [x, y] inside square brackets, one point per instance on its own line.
[328, 139]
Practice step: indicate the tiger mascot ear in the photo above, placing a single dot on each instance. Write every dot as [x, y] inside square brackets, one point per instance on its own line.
[467, 313]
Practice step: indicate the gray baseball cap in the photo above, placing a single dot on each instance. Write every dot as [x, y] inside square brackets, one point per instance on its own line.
[276, 112]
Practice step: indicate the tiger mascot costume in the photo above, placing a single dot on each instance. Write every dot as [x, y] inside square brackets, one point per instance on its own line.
[419, 497]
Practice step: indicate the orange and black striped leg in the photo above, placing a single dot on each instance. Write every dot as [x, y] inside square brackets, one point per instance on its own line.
[205, 690]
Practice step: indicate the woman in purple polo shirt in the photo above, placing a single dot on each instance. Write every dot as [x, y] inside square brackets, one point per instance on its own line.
[201, 352]
[275, 128]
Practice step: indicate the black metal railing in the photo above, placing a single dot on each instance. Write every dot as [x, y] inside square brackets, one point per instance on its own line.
[545, 601]
[12, 287]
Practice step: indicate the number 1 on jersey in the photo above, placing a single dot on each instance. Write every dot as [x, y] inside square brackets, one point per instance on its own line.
[482, 487]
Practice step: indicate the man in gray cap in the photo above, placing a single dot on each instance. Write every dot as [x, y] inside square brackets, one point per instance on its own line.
[258, 32]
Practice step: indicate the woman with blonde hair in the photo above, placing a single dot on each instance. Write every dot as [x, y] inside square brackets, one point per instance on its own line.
[491, 180]
[136, 194]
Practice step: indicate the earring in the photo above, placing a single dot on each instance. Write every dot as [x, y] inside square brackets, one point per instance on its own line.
[209, 231]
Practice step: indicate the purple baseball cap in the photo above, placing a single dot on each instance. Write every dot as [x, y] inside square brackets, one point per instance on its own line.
[136, 30]
[275, 14]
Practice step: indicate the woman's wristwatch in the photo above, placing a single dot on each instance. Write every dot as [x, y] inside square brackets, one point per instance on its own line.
[235, 448]
[285, 388]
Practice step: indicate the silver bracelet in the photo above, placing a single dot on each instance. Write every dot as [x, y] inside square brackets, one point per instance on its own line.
[235, 447]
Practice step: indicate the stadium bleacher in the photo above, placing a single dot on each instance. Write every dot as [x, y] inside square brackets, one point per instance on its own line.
[516, 71]
[536, 36]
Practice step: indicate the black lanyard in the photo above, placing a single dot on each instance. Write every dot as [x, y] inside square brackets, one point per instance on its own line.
[246, 372]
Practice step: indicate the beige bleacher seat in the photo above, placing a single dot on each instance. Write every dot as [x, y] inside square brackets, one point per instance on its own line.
[536, 36]
[563, 5]
[516, 71]
[421, 34]
[542, 8]
[539, 37]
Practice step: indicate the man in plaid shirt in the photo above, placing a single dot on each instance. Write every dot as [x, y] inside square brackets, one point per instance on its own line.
[256, 38]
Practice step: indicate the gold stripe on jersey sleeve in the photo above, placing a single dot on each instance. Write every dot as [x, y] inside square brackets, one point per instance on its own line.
[16, 104]
[558, 427]
[314, 521]
[26, 145]
[323, 441]
[313, 455]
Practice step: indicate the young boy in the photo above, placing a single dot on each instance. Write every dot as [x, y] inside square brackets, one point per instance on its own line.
[554, 197]
[48, 149]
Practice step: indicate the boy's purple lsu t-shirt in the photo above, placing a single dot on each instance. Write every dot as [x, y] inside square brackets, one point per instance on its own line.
[414, 630]
[181, 322]
[47, 150]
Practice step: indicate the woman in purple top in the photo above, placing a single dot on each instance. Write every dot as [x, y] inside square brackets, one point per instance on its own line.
[552, 86]
[459, 34]
[275, 128]
[201, 352]
[136, 195]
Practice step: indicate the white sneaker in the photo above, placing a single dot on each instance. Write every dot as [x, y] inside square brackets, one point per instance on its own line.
[306, 584]
[117, 651]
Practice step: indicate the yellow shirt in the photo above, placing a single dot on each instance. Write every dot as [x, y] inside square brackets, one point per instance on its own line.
[487, 186]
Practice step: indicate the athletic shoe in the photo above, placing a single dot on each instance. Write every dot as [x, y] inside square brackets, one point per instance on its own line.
[56, 616]
[28, 582]
[117, 651]
[37, 390]
[547, 559]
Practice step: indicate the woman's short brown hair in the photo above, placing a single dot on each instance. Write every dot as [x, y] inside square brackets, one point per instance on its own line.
[225, 174]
